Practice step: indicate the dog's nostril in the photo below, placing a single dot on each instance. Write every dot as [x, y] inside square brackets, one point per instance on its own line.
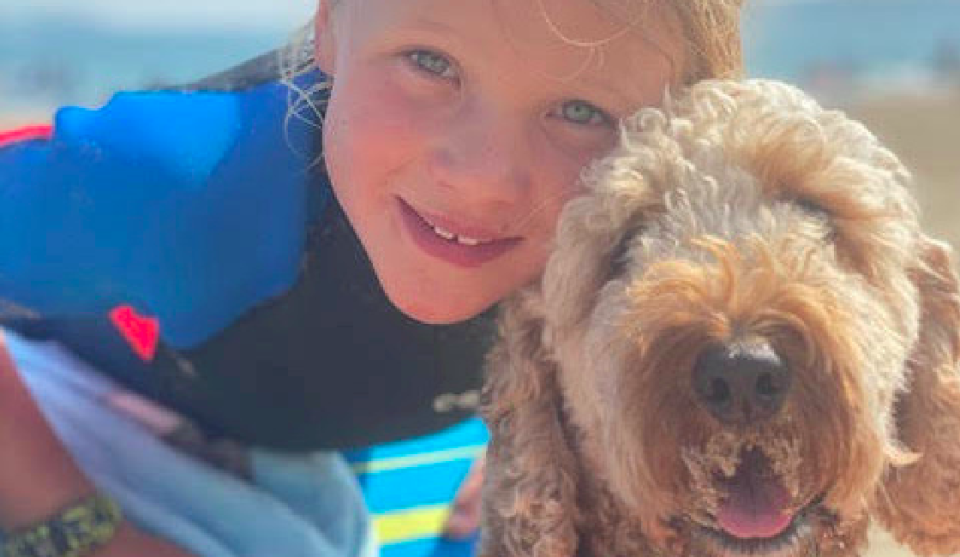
[767, 385]
[741, 384]
[719, 392]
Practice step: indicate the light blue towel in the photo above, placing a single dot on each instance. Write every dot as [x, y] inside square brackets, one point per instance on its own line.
[294, 506]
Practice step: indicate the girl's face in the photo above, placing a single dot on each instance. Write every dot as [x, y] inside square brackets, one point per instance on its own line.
[457, 129]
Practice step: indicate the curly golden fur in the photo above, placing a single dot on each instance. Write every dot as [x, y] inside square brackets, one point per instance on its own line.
[741, 215]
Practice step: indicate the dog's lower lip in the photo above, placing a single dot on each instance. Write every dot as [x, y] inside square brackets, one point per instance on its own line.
[791, 535]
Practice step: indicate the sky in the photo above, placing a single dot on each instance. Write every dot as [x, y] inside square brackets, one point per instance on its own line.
[165, 13]
[270, 14]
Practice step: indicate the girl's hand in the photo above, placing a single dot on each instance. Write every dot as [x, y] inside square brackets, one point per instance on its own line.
[464, 518]
[29, 450]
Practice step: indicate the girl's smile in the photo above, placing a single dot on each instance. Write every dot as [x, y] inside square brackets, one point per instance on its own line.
[461, 245]
[456, 131]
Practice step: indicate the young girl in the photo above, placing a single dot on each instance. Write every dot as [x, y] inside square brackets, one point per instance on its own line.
[235, 284]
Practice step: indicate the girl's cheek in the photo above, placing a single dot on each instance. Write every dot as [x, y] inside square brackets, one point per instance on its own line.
[560, 168]
[564, 151]
[375, 122]
[581, 147]
[373, 102]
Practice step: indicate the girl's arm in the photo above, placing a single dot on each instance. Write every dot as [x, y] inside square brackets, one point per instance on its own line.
[38, 478]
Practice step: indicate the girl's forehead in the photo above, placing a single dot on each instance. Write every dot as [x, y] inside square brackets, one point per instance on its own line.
[532, 22]
[607, 40]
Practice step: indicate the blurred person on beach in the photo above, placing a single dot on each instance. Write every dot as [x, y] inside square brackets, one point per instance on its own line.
[210, 291]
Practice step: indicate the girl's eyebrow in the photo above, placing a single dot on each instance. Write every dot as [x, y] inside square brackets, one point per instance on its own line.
[427, 30]
[432, 25]
[621, 95]
[617, 95]
[431, 28]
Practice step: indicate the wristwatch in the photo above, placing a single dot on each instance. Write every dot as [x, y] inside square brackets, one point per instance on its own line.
[75, 531]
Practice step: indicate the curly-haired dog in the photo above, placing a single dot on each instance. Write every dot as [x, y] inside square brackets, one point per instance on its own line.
[742, 345]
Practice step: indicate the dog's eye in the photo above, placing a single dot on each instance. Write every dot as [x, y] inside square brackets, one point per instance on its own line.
[820, 213]
[812, 207]
[618, 260]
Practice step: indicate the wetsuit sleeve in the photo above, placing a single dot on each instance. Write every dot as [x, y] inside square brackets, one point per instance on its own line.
[51, 221]
[185, 205]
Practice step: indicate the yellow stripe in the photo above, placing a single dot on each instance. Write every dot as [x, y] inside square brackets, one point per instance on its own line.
[411, 524]
[414, 460]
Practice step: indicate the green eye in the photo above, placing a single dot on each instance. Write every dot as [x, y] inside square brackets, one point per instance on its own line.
[583, 113]
[432, 63]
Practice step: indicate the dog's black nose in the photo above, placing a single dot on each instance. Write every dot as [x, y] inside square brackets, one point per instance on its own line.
[741, 384]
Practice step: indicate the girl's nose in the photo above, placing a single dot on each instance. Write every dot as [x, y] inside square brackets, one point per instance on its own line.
[483, 156]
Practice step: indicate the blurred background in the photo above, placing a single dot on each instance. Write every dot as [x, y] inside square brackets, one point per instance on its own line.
[895, 64]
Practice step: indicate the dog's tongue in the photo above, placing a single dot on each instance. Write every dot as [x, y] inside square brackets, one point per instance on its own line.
[756, 504]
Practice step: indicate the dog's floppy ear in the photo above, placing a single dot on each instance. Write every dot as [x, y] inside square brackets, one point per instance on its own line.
[920, 502]
[595, 230]
[529, 497]
[591, 244]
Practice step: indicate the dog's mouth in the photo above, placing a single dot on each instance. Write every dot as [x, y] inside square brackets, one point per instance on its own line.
[755, 503]
[756, 514]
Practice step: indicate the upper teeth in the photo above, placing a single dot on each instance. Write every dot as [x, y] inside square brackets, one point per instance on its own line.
[447, 235]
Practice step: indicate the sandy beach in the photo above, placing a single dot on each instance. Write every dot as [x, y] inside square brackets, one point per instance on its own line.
[925, 133]
[12, 117]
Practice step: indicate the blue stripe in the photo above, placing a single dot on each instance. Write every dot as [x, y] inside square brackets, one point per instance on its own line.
[413, 487]
[470, 432]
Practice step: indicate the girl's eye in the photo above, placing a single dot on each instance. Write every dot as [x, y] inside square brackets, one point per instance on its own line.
[583, 113]
[432, 63]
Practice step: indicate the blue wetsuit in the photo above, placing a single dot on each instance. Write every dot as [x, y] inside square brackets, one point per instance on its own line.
[200, 210]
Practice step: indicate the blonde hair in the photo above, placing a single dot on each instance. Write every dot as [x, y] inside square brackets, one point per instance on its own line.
[297, 58]
[710, 33]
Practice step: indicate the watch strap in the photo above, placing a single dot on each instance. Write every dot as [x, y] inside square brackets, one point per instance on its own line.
[75, 531]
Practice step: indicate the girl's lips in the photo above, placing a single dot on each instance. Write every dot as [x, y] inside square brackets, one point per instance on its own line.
[451, 250]
[458, 228]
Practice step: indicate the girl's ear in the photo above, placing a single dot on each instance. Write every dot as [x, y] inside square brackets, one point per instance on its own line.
[325, 38]
[918, 502]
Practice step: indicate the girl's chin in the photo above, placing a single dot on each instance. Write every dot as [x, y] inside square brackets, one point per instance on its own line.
[435, 314]
[433, 308]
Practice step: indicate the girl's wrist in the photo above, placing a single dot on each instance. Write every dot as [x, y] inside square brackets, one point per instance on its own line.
[38, 478]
